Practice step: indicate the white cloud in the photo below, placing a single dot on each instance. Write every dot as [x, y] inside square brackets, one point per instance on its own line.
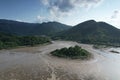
[115, 19]
[59, 9]
[19, 20]
[115, 14]
[45, 2]
[68, 5]
[41, 19]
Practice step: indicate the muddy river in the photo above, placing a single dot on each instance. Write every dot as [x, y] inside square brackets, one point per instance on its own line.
[35, 63]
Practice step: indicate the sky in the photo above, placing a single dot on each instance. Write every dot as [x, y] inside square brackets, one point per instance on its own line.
[70, 12]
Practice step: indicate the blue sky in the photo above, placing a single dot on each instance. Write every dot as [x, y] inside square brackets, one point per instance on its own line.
[69, 12]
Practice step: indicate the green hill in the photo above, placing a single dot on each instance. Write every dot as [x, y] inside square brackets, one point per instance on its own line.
[92, 32]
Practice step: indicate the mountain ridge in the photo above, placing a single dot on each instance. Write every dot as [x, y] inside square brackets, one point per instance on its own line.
[86, 32]
[23, 28]
[91, 32]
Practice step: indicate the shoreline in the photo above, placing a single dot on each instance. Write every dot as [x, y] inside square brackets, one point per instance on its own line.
[20, 47]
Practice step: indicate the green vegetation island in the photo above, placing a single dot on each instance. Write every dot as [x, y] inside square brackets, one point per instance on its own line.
[75, 52]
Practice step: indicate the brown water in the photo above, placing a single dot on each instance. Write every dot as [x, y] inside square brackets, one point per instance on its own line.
[35, 63]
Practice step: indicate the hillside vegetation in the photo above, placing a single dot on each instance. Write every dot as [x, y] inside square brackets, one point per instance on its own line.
[9, 41]
[92, 32]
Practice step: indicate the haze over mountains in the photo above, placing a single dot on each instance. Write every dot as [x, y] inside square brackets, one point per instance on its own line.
[87, 32]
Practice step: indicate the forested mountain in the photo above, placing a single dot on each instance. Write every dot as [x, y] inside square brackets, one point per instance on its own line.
[86, 32]
[22, 28]
[92, 32]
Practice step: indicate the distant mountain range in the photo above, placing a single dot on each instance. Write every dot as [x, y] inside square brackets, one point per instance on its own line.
[22, 28]
[86, 32]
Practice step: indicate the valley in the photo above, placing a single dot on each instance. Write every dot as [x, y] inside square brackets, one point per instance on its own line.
[59, 40]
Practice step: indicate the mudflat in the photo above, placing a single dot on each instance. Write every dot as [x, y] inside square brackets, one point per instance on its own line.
[35, 63]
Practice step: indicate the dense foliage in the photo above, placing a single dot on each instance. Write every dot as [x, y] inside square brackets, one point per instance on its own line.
[92, 32]
[72, 52]
[9, 41]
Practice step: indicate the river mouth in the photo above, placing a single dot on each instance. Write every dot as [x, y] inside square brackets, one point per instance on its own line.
[35, 63]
